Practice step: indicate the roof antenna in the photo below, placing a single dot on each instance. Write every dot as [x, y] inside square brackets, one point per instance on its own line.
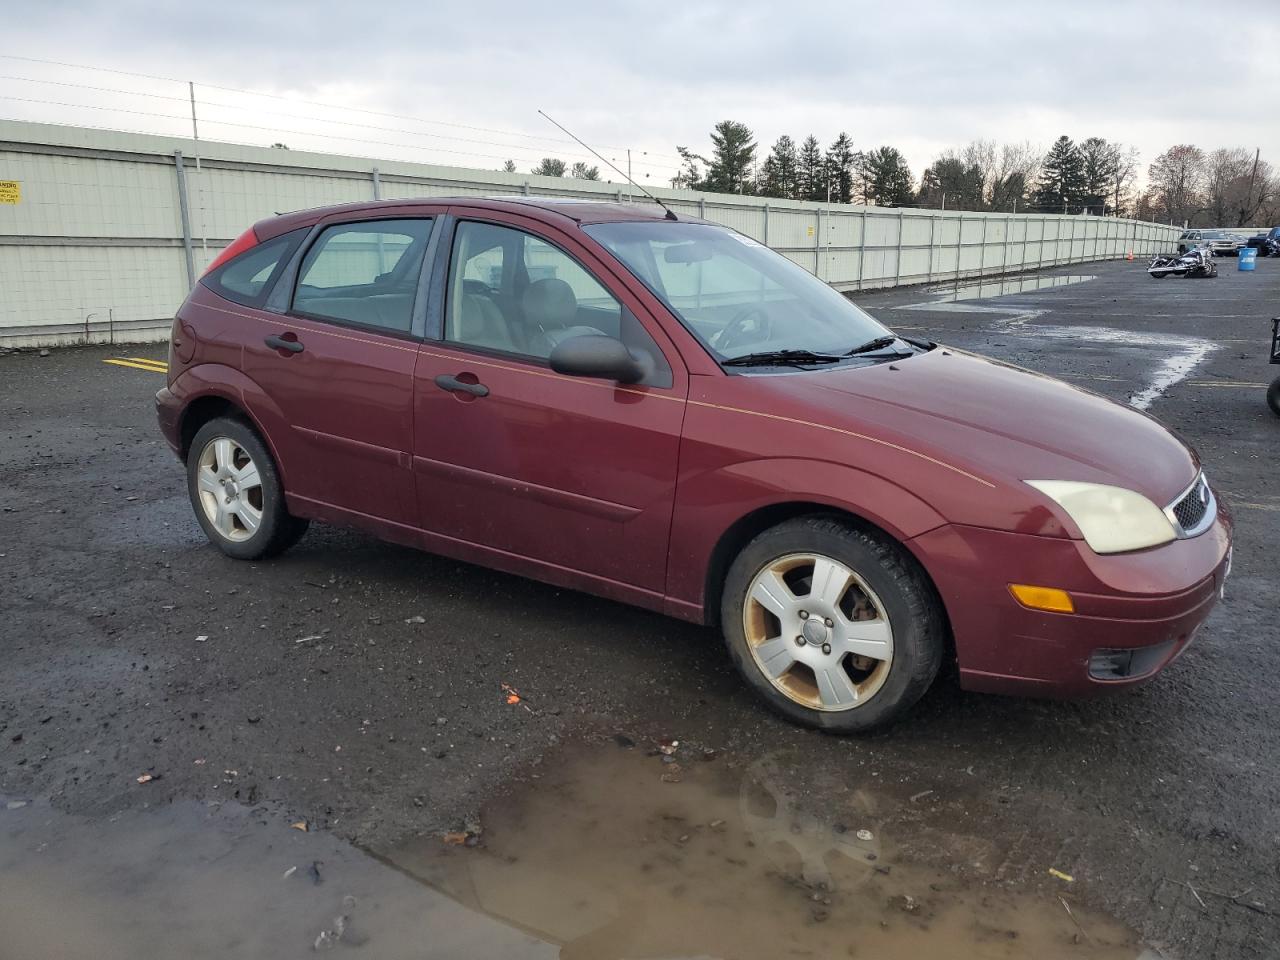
[670, 214]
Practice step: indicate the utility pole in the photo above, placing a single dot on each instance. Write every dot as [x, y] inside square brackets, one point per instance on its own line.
[195, 135]
[628, 174]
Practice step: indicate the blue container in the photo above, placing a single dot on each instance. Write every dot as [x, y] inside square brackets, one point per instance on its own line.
[1248, 258]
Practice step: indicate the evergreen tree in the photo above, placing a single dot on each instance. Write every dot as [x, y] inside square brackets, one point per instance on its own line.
[891, 181]
[951, 177]
[1061, 184]
[1099, 161]
[778, 172]
[811, 174]
[550, 167]
[732, 157]
[840, 167]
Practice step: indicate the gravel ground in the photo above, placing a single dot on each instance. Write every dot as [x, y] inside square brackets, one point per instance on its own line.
[130, 646]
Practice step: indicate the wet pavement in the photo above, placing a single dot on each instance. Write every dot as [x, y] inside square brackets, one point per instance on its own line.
[338, 686]
[612, 853]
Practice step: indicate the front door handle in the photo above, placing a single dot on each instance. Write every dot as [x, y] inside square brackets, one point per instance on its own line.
[276, 342]
[454, 385]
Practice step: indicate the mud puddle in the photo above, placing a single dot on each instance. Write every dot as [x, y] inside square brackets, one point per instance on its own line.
[952, 293]
[603, 852]
[617, 854]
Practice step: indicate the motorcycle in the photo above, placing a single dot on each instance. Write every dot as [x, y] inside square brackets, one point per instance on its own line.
[1196, 262]
[1273, 392]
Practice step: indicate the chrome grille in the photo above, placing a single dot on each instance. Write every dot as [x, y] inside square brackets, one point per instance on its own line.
[1194, 510]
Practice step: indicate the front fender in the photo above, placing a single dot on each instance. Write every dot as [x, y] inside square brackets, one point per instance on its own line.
[228, 383]
[710, 503]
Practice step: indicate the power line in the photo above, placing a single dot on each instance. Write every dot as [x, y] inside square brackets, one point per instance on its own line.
[317, 103]
[509, 148]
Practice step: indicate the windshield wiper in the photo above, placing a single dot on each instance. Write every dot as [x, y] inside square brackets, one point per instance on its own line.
[879, 343]
[779, 358]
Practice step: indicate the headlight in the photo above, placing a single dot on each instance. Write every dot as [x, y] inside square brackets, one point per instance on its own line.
[1112, 519]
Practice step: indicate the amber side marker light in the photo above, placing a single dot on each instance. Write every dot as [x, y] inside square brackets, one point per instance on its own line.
[1042, 598]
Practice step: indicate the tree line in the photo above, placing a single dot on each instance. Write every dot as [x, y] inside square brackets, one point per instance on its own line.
[1223, 187]
[554, 167]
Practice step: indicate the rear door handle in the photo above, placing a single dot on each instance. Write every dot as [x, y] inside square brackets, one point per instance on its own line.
[454, 385]
[276, 342]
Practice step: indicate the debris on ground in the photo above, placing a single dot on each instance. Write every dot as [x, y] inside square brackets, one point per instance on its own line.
[668, 747]
[1053, 872]
[329, 938]
[468, 836]
[300, 825]
[865, 835]
[202, 638]
[314, 636]
[904, 902]
[917, 797]
[513, 697]
[289, 873]
[148, 777]
[418, 619]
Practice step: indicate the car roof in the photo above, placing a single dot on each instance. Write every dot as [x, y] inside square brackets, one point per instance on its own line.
[547, 209]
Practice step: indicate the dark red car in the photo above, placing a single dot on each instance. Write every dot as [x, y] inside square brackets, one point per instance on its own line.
[669, 414]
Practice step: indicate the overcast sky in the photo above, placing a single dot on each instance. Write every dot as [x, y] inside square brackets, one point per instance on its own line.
[922, 75]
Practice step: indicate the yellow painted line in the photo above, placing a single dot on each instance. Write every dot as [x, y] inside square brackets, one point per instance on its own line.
[154, 363]
[150, 368]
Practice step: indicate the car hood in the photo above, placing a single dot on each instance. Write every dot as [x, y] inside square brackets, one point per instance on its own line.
[1000, 421]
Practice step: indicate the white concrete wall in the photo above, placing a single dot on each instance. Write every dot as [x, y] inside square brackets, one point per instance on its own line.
[96, 250]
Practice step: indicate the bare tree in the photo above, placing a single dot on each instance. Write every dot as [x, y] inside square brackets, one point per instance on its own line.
[1124, 175]
[1227, 172]
[1178, 180]
[1017, 168]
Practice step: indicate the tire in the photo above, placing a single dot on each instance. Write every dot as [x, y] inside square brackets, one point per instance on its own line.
[1273, 396]
[885, 596]
[228, 464]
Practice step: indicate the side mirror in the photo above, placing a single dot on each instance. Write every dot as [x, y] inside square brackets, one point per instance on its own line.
[596, 356]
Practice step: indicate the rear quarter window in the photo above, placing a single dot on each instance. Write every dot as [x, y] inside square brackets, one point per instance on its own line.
[249, 277]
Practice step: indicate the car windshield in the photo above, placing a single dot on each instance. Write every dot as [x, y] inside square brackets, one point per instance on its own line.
[737, 296]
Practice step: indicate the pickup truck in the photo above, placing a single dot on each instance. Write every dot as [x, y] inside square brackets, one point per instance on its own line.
[1219, 242]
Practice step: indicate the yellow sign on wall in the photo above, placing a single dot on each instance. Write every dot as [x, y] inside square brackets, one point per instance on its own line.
[10, 191]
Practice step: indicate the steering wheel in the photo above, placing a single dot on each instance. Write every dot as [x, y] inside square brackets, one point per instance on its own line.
[740, 328]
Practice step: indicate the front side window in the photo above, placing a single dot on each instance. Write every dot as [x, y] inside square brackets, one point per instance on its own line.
[514, 292]
[364, 273]
[737, 296]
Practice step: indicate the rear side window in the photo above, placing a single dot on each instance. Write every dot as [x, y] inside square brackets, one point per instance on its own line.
[364, 273]
[248, 278]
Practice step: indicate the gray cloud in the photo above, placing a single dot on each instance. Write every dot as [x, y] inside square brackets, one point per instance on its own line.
[924, 76]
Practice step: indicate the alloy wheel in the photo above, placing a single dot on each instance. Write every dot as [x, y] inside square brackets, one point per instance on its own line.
[818, 632]
[230, 489]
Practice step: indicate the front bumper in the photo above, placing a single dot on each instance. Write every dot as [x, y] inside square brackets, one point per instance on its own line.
[1150, 602]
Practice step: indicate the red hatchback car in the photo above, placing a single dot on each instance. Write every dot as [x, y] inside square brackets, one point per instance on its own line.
[669, 414]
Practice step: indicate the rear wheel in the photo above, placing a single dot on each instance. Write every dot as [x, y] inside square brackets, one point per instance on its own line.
[236, 493]
[1273, 396]
[834, 626]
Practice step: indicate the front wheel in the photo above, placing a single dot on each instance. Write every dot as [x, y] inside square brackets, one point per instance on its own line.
[236, 492]
[1273, 396]
[834, 626]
